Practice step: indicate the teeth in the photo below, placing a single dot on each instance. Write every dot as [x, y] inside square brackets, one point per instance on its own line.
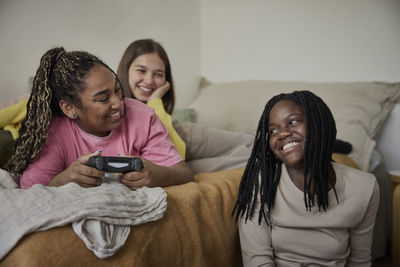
[116, 114]
[145, 89]
[288, 145]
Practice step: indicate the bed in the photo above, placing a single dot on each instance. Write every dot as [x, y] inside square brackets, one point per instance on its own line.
[197, 228]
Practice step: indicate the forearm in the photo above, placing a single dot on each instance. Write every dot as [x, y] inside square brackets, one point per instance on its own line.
[79, 173]
[177, 174]
[361, 235]
[58, 180]
[255, 242]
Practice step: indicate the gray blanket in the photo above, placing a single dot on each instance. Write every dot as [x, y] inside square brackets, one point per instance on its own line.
[101, 216]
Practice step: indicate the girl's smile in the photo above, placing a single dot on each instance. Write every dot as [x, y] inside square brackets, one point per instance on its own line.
[287, 130]
[101, 102]
[146, 74]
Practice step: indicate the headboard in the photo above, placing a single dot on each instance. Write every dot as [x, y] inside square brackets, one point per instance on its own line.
[360, 109]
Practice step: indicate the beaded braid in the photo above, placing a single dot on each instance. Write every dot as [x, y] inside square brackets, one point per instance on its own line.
[265, 168]
[60, 76]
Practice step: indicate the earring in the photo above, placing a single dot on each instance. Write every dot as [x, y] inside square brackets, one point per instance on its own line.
[74, 116]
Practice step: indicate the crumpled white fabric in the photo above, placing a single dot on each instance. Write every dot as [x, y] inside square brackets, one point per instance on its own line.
[101, 216]
[102, 238]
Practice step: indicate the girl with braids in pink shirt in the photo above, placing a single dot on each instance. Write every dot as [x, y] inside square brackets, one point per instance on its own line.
[77, 107]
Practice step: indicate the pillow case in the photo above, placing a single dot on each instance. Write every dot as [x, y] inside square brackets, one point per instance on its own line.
[359, 108]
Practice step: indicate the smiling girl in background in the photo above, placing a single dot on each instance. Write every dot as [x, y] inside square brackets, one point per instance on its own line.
[145, 74]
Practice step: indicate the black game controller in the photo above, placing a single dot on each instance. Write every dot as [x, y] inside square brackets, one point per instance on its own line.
[115, 164]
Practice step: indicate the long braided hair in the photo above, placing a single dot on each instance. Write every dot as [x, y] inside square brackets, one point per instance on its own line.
[320, 139]
[60, 76]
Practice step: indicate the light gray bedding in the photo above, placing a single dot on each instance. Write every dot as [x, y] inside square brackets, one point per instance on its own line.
[101, 215]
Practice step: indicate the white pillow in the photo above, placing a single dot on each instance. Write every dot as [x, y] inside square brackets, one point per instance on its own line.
[359, 108]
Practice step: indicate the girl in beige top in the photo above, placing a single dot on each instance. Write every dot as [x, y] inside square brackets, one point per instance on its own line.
[307, 210]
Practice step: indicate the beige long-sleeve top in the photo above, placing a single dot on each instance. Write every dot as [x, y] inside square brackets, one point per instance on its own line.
[341, 236]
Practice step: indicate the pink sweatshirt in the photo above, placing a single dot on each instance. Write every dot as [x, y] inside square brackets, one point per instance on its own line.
[141, 134]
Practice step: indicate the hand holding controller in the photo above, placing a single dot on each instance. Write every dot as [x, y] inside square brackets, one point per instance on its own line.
[115, 164]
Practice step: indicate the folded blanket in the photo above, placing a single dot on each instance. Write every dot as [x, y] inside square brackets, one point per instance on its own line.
[101, 215]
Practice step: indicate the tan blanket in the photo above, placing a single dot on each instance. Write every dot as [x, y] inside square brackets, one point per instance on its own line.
[196, 230]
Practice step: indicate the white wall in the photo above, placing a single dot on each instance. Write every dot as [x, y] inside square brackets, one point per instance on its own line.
[309, 40]
[223, 40]
[104, 28]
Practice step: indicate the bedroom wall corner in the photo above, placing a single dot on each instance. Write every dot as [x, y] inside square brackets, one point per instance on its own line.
[104, 28]
[312, 40]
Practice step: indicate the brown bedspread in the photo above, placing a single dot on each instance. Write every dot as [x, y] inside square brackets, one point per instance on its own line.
[196, 230]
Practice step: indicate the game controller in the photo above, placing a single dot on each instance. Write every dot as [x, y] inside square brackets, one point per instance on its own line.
[115, 164]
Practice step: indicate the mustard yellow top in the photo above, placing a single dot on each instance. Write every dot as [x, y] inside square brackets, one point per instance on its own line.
[166, 119]
[11, 117]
